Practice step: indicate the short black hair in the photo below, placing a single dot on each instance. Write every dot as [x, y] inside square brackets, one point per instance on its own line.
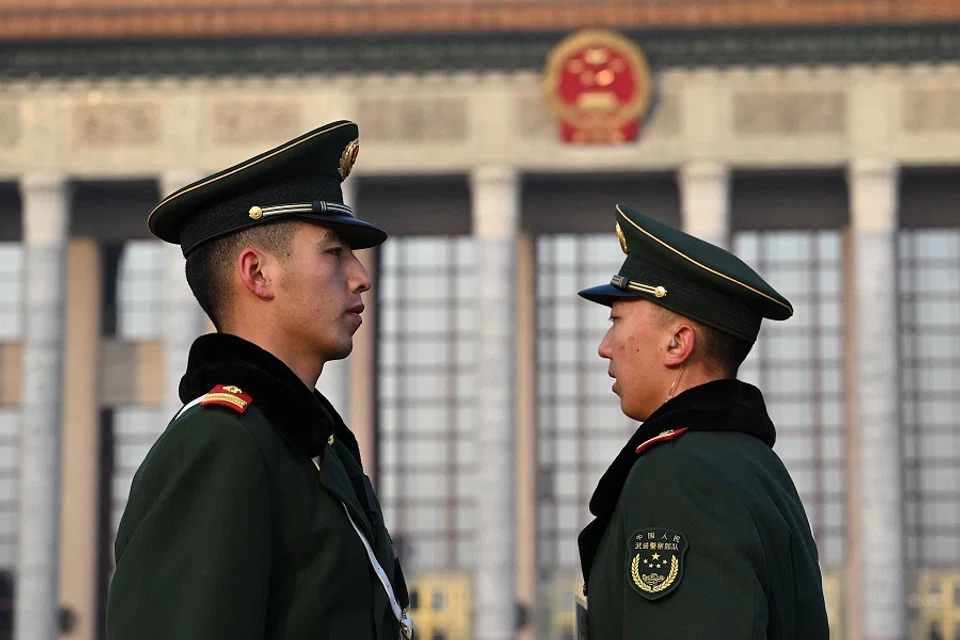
[723, 352]
[207, 264]
[726, 352]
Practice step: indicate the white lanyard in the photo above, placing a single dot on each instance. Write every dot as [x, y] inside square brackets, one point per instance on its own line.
[192, 403]
[406, 622]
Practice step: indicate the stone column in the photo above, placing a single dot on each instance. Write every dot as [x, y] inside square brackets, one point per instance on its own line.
[705, 200]
[526, 433]
[80, 505]
[183, 319]
[334, 382]
[873, 206]
[495, 194]
[46, 216]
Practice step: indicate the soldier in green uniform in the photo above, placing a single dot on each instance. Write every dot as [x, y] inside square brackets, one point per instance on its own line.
[251, 518]
[698, 530]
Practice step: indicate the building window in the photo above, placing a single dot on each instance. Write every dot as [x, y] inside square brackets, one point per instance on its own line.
[140, 291]
[139, 311]
[798, 365]
[930, 374]
[11, 291]
[9, 480]
[580, 426]
[427, 356]
[11, 330]
[135, 429]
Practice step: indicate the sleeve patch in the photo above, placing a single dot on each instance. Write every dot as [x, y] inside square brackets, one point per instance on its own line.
[227, 396]
[655, 561]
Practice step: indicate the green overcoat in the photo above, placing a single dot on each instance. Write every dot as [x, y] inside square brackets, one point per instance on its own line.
[700, 532]
[231, 532]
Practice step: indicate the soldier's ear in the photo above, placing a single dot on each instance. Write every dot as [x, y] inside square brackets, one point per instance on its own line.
[250, 264]
[681, 346]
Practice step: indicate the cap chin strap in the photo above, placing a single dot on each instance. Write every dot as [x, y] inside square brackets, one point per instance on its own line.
[320, 206]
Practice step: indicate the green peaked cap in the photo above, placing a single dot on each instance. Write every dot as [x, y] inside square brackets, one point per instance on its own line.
[300, 179]
[689, 276]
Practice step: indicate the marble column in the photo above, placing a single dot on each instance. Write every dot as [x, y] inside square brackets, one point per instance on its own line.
[495, 192]
[183, 319]
[80, 485]
[705, 200]
[528, 587]
[873, 189]
[46, 217]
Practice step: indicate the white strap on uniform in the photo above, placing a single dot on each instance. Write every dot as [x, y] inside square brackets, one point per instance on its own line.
[190, 404]
[406, 622]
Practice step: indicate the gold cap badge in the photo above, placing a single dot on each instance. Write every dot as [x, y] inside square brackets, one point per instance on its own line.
[349, 157]
[622, 238]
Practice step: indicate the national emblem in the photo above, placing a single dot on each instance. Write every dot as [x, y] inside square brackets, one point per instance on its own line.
[599, 86]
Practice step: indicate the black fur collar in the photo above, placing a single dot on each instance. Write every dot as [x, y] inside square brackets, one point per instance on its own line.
[721, 405]
[303, 418]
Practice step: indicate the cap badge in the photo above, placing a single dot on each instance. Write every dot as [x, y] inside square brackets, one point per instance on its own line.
[349, 157]
[622, 238]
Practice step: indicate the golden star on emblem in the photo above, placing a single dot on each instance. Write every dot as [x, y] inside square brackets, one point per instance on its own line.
[655, 556]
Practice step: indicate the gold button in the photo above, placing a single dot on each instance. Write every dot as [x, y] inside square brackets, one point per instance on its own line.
[660, 292]
[330, 440]
[256, 212]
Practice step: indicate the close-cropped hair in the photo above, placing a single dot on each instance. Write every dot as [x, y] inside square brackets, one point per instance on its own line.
[209, 264]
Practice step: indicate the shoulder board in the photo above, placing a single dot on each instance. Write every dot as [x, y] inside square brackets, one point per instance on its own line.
[665, 436]
[227, 396]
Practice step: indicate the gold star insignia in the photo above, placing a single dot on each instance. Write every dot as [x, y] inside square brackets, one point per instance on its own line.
[655, 556]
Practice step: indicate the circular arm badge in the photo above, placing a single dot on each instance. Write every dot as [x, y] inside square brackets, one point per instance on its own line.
[655, 561]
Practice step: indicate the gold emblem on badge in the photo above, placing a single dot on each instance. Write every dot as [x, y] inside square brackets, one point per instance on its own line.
[654, 582]
[622, 238]
[349, 157]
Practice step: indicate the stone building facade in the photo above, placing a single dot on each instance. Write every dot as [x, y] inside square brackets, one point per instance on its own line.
[829, 157]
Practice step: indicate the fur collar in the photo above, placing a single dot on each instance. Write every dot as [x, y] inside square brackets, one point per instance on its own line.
[303, 418]
[721, 405]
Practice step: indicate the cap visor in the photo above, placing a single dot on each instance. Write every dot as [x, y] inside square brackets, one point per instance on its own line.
[359, 234]
[606, 294]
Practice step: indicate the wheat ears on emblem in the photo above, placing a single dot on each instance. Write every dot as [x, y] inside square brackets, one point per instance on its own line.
[635, 571]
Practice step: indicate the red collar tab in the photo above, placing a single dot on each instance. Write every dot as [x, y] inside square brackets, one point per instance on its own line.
[664, 436]
[227, 396]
